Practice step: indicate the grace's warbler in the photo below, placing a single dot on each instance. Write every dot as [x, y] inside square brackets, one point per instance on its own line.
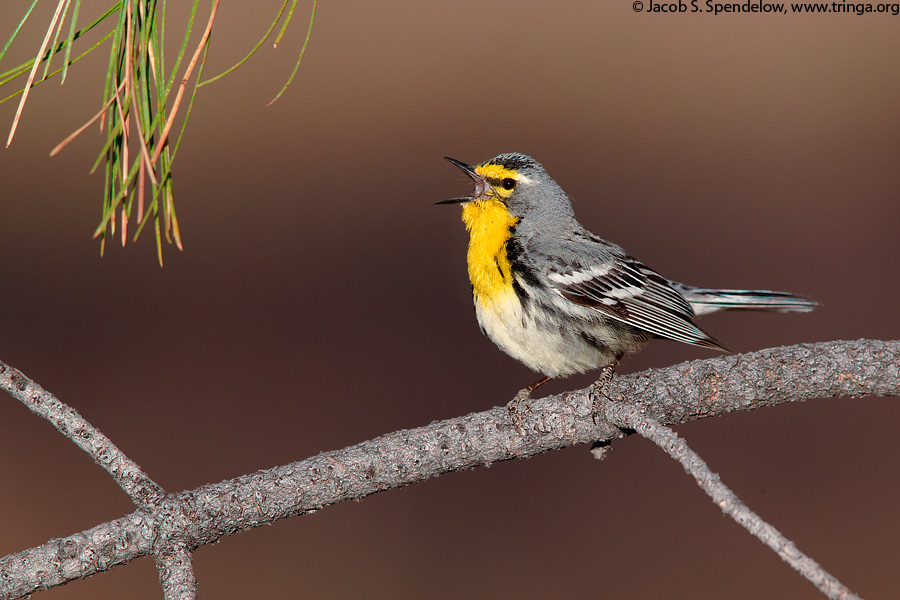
[562, 300]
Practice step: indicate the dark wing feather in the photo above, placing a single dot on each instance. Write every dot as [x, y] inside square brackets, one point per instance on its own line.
[625, 290]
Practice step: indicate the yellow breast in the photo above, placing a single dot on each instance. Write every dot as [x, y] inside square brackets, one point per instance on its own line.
[488, 223]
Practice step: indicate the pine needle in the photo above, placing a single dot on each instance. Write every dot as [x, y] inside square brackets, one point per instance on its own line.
[37, 62]
[312, 19]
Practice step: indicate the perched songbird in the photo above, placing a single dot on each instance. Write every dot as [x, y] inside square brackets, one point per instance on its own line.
[562, 300]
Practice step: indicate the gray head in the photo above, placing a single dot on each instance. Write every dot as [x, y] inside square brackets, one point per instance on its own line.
[521, 184]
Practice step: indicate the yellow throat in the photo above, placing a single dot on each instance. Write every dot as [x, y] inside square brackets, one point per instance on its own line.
[488, 223]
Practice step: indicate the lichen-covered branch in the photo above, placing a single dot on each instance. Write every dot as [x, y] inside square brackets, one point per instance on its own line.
[631, 417]
[176, 574]
[677, 394]
[143, 491]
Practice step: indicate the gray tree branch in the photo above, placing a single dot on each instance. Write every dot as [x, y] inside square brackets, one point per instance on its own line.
[142, 490]
[172, 560]
[677, 394]
[176, 574]
[632, 417]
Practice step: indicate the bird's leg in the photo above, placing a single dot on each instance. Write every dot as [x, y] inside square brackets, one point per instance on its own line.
[519, 404]
[595, 390]
[607, 374]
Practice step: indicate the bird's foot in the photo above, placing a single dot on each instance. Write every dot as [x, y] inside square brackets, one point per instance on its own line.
[521, 404]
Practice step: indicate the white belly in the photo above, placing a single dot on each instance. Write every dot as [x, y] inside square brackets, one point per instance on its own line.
[540, 344]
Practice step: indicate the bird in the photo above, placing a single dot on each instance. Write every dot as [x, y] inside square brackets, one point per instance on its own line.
[562, 300]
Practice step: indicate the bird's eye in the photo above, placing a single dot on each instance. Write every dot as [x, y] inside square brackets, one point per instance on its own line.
[508, 183]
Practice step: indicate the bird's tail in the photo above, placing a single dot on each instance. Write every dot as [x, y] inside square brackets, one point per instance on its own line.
[705, 301]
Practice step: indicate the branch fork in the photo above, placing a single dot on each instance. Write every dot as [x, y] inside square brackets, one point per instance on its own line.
[170, 526]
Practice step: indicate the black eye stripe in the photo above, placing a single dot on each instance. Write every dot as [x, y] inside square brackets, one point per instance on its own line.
[507, 183]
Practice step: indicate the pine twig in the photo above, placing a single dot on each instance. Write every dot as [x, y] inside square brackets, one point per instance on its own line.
[684, 392]
[144, 492]
[629, 416]
[176, 574]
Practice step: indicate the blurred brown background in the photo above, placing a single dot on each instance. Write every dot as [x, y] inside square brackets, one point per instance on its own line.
[322, 299]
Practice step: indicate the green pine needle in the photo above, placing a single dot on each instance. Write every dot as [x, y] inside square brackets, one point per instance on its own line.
[142, 98]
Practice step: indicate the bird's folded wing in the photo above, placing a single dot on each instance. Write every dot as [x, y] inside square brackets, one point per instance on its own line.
[623, 289]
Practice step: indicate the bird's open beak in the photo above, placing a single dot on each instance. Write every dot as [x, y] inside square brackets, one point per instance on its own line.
[481, 186]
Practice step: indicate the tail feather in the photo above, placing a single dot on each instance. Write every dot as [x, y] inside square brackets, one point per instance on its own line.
[705, 301]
